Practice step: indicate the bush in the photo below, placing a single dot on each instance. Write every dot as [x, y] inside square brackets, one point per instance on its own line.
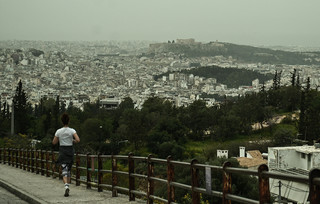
[171, 148]
[284, 135]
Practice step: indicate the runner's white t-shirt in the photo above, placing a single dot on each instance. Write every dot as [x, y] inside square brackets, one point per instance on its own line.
[65, 136]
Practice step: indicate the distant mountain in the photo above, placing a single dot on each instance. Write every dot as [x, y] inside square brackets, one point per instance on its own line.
[242, 53]
[232, 77]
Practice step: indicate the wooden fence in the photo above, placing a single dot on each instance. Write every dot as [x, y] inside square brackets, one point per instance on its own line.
[43, 162]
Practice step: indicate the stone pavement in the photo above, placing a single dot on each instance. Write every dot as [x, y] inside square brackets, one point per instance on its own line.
[35, 188]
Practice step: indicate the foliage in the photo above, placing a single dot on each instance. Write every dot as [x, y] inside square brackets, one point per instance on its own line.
[162, 129]
[20, 110]
[284, 135]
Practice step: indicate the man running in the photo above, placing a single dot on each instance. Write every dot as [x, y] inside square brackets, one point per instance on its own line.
[66, 136]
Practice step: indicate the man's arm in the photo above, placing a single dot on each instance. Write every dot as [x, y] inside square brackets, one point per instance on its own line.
[55, 140]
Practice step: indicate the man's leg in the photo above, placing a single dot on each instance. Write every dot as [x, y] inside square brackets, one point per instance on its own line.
[66, 175]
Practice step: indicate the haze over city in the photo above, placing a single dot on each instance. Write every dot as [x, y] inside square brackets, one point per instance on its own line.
[243, 22]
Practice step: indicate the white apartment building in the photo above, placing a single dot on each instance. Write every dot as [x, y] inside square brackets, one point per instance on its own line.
[297, 160]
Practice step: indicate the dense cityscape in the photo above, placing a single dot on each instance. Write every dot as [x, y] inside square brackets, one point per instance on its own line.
[110, 71]
[108, 101]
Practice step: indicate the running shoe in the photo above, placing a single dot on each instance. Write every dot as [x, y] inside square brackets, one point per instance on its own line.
[66, 193]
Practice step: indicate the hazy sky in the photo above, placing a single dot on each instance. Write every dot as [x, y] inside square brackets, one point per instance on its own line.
[253, 22]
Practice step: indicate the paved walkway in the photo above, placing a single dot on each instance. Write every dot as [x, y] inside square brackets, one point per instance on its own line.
[7, 198]
[35, 188]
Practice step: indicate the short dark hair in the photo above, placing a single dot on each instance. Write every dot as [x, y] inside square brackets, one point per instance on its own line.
[65, 119]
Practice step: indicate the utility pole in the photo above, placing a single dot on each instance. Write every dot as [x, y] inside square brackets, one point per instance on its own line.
[279, 196]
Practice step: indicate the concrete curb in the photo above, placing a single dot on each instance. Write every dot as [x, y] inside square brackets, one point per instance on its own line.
[21, 194]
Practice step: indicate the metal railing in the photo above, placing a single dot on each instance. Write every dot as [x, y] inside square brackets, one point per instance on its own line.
[43, 162]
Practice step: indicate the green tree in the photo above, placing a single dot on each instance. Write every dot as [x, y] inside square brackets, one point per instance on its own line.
[56, 113]
[132, 122]
[196, 117]
[284, 135]
[91, 131]
[312, 116]
[20, 110]
[293, 78]
[127, 103]
[228, 127]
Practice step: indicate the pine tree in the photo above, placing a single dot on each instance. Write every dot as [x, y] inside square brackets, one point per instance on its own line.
[308, 85]
[302, 117]
[275, 85]
[4, 109]
[20, 109]
[293, 78]
[7, 112]
[263, 88]
[279, 80]
[56, 112]
[298, 81]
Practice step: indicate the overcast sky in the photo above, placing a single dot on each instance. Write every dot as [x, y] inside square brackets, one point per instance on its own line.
[252, 22]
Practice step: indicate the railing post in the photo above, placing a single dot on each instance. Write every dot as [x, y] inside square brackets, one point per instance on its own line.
[264, 190]
[12, 157]
[88, 172]
[77, 170]
[42, 162]
[28, 159]
[47, 164]
[100, 175]
[227, 183]
[24, 159]
[53, 163]
[17, 158]
[21, 158]
[9, 156]
[4, 155]
[37, 161]
[131, 178]
[32, 160]
[150, 189]
[170, 177]
[195, 182]
[114, 176]
[314, 194]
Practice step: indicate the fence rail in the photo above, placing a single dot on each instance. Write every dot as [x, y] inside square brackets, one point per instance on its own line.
[43, 162]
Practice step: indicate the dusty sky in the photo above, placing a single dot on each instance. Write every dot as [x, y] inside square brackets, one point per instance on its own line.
[252, 22]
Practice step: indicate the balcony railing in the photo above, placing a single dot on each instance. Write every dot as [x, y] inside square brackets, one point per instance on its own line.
[43, 162]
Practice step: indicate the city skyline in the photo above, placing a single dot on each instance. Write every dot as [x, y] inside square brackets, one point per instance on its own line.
[270, 23]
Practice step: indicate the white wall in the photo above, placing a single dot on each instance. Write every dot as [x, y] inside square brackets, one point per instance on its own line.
[315, 160]
[222, 153]
[242, 152]
[287, 158]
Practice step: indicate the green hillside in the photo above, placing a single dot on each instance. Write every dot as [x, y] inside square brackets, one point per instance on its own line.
[243, 53]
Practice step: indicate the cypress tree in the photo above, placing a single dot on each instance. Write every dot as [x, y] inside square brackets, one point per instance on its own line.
[20, 109]
[56, 111]
[293, 78]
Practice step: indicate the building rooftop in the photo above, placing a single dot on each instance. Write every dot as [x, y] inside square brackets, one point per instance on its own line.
[303, 149]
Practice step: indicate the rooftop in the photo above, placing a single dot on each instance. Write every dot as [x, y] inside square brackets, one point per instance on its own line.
[303, 149]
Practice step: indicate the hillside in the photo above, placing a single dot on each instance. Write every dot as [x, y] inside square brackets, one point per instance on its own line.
[242, 53]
